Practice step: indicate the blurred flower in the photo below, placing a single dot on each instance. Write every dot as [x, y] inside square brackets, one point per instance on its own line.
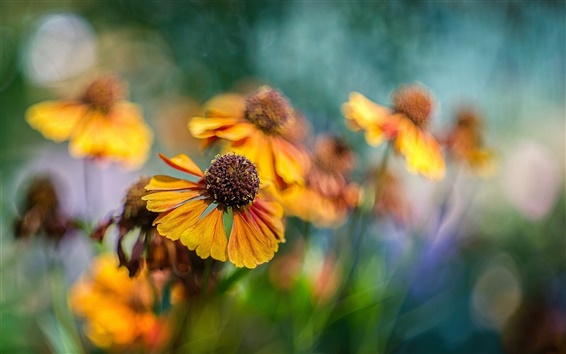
[465, 143]
[255, 126]
[326, 280]
[231, 182]
[99, 124]
[285, 271]
[40, 211]
[117, 309]
[327, 196]
[405, 125]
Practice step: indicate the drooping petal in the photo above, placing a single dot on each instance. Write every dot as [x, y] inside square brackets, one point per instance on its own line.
[56, 120]
[422, 153]
[363, 111]
[207, 237]
[290, 164]
[228, 105]
[164, 201]
[162, 182]
[172, 224]
[268, 217]
[203, 128]
[248, 246]
[183, 163]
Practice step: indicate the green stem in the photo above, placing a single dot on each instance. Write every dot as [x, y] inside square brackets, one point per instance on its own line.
[227, 283]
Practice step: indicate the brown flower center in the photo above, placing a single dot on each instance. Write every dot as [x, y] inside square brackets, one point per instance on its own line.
[415, 102]
[333, 155]
[269, 111]
[103, 92]
[232, 180]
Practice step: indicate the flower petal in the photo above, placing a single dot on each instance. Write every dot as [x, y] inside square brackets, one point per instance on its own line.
[164, 201]
[162, 182]
[203, 128]
[289, 161]
[268, 217]
[422, 153]
[183, 163]
[56, 120]
[207, 237]
[248, 246]
[173, 223]
[225, 105]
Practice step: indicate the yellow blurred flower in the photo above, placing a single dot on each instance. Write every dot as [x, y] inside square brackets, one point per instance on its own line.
[255, 126]
[405, 125]
[465, 143]
[230, 183]
[117, 309]
[99, 124]
[327, 196]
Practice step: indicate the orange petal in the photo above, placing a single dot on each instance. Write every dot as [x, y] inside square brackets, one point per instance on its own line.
[167, 200]
[248, 246]
[56, 120]
[161, 182]
[183, 163]
[203, 128]
[225, 105]
[289, 161]
[207, 237]
[268, 217]
[173, 223]
[236, 132]
[363, 111]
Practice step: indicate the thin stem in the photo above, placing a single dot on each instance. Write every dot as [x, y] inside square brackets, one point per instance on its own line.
[227, 283]
[207, 271]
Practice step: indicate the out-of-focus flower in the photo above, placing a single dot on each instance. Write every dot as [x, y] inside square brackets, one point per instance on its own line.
[230, 183]
[285, 271]
[327, 195]
[255, 126]
[405, 125]
[117, 309]
[40, 211]
[465, 143]
[99, 124]
[325, 280]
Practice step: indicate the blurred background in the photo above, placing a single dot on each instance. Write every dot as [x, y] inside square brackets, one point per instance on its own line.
[481, 267]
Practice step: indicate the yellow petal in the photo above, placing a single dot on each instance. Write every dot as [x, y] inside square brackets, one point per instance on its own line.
[167, 200]
[422, 153]
[207, 236]
[288, 161]
[183, 163]
[268, 217]
[172, 223]
[363, 111]
[56, 120]
[203, 128]
[247, 246]
[225, 105]
[161, 182]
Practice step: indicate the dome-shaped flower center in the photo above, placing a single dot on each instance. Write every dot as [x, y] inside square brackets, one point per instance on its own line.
[415, 102]
[232, 180]
[269, 111]
[103, 92]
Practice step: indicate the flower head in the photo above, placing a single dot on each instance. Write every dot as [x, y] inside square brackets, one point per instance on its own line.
[405, 125]
[256, 126]
[230, 185]
[99, 124]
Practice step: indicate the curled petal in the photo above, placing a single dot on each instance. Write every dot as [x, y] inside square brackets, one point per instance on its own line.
[183, 163]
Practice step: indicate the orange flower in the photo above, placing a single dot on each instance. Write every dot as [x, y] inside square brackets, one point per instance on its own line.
[405, 125]
[98, 124]
[117, 309]
[255, 126]
[230, 183]
[465, 143]
[327, 195]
